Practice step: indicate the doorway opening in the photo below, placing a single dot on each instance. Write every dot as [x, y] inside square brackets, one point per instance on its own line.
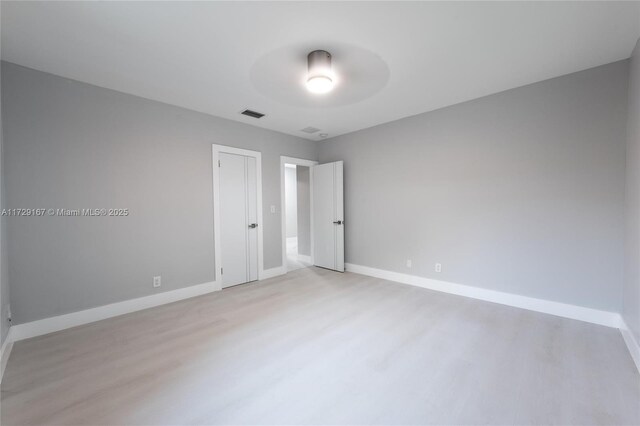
[296, 183]
[297, 216]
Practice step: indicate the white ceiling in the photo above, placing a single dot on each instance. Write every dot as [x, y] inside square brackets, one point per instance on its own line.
[200, 55]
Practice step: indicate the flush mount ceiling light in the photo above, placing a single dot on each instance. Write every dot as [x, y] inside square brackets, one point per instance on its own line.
[319, 77]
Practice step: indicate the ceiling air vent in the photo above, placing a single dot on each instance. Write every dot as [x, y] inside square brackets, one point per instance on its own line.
[309, 130]
[253, 114]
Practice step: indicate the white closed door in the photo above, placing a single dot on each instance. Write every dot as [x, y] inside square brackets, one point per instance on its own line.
[328, 216]
[238, 219]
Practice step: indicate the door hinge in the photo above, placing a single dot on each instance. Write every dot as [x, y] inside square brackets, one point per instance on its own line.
[221, 271]
[218, 163]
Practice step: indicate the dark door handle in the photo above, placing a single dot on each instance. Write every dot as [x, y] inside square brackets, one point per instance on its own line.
[338, 222]
[253, 225]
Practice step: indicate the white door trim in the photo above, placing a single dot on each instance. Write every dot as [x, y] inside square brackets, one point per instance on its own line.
[217, 149]
[283, 225]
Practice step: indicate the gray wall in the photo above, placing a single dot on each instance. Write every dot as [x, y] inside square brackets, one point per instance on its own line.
[631, 309]
[73, 145]
[291, 202]
[4, 281]
[521, 191]
[304, 210]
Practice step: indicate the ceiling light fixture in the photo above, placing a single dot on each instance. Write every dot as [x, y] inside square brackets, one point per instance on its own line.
[319, 77]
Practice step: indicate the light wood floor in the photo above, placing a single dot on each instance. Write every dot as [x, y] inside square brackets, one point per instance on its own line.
[320, 347]
[293, 261]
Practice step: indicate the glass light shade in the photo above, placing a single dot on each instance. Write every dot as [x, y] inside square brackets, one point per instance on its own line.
[319, 84]
[319, 77]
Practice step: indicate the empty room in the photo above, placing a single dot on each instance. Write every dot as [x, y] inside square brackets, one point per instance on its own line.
[319, 213]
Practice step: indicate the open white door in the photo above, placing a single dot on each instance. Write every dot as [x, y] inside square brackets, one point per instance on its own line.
[328, 216]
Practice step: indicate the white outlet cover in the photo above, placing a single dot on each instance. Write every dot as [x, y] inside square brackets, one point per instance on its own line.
[438, 267]
[157, 281]
[408, 263]
[273, 209]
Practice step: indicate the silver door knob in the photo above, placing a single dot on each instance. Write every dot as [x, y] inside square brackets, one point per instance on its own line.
[338, 222]
[253, 225]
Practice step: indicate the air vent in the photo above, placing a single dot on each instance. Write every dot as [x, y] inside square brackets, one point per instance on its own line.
[253, 114]
[310, 130]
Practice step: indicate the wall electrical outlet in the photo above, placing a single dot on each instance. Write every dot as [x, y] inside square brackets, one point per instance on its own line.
[273, 209]
[408, 263]
[157, 281]
[438, 267]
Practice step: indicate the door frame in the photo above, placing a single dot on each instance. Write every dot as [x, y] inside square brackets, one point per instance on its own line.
[217, 246]
[283, 225]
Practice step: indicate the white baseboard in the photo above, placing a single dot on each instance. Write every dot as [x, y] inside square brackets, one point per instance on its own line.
[61, 322]
[609, 319]
[273, 272]
[5, 351]
[632, 343]
[74, 319]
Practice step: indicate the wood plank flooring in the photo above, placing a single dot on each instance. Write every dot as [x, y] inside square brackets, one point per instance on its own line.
[318, 347]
